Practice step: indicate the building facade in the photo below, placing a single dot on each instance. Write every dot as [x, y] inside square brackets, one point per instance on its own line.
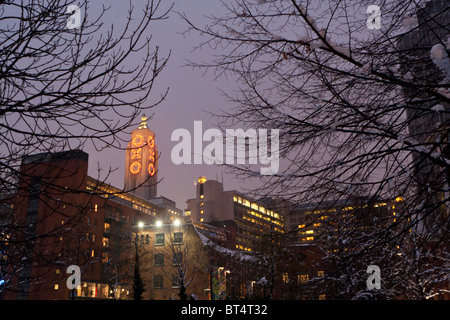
[247, 218]
[60, 217]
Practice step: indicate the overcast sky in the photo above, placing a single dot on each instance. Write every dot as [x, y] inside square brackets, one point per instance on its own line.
[191, 96]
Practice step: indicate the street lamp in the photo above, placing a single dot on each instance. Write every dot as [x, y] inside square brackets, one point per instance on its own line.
[140, 224]
[158, 223]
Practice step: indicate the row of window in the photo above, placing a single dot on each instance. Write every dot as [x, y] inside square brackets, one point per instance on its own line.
[301, 278]
[158, 281]
[177, 259]
[160, 238]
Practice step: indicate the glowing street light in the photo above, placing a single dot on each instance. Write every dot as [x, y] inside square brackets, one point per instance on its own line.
[158, 223]
[140, 224]
[176, 222]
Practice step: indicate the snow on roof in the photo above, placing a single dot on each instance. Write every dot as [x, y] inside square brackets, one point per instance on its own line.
[234, 253]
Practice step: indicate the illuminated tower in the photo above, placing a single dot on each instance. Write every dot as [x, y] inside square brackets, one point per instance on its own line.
[141, 163]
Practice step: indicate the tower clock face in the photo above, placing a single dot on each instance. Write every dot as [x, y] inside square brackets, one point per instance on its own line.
[135, 167]
[138, 140]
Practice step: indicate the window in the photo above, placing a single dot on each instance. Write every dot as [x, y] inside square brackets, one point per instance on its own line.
[159, 259]
[159, 239]
[285, 277]
[322, 297]
[177, 258]
[178, 238]
[320, 273]
[158, 281]
[302, 278]
[56, 287]
[175, 280]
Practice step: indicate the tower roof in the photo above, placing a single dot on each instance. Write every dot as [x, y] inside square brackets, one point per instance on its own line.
[143, 122]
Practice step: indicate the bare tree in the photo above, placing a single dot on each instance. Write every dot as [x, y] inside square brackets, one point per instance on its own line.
[362, 111]
[65, 84]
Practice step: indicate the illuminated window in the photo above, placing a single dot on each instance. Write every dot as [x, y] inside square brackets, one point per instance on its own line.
[320, 273]
[303, 278]
[301, 226]
[246, 203]
[58, 271]
[187, 213]
[92, 253]
[285, 277]
[254, 206]
[309, 231]
[316, 224]
[56, 287]
[309, 238]
[322, 297]
[235, 199]
[95, 208]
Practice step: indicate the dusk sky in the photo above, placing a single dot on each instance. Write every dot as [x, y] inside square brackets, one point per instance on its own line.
[191, 95]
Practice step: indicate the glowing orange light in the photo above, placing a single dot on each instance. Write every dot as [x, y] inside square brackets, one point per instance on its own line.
[151, 142]
[136, 153]
[138, 140]
[151, 169]
[135, 167]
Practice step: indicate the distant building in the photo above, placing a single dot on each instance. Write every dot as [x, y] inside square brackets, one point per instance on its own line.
[247, 218]
[314, 223]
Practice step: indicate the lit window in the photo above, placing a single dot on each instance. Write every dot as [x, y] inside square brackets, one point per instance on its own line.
[235, 199]
[285, 277]
[309, 238]
[301, 226]
[56, 287]
[320, 273]
[302, 278]
[322, 297]
[95, 208]
[92, 253]
[309, 231]
[58, 271]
